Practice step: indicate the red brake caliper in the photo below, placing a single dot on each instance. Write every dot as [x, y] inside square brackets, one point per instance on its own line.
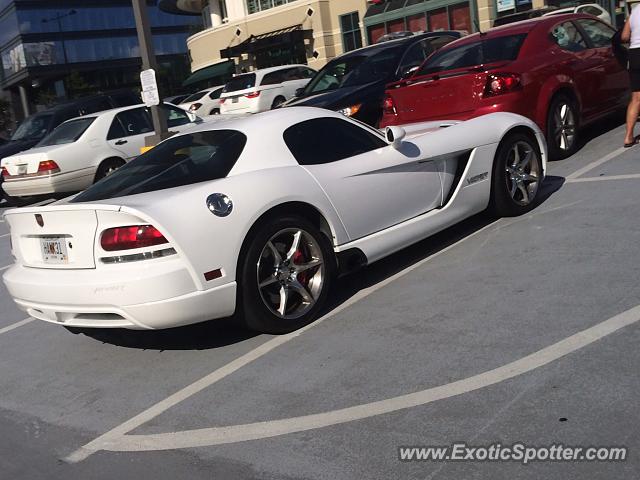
[298, 258]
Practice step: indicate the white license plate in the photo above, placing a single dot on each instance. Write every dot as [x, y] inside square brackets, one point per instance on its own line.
[54, 250]
[235, 99]
[22, 169]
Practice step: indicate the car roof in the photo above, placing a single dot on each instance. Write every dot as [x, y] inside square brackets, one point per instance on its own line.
[264, 71]
[378, 47]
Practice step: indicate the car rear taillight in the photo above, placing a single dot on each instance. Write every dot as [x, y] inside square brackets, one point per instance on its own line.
[222, 100]
[195, 106]
[134, 236]
[5, 172]
[253, 94]
[47, 167]
[499, 83]
[389, 106]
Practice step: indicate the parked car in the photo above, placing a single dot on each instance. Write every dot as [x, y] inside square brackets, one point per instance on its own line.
[588, 8]
[83, 150]
[206, 102]
[394, 36]
[560, 71]
[176, 99]
[354, 83]
[205, 224]
[524, 15]
[35, 127]
[263, 89]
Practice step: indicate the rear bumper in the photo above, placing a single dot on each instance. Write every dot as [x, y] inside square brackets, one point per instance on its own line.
[161, 296]
[42, 185]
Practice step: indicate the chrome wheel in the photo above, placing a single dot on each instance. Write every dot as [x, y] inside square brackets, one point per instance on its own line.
[522, 173]
[291, 273]
[564, 126]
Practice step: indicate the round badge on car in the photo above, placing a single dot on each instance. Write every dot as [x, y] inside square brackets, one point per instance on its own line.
[219, 204]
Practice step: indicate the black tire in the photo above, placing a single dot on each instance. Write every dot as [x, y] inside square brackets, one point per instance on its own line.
[562, 127]
[215, 111]
[510, 177]
[277, 102]
[254, 311]
[14, 201]
[107, 167]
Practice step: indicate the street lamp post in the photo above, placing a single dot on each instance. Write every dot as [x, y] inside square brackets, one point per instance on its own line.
[149, 62]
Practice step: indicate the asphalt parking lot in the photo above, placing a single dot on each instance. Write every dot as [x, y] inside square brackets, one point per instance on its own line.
[512, 330]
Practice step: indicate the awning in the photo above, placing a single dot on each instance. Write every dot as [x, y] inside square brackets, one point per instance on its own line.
[226, 68]
[267, 40]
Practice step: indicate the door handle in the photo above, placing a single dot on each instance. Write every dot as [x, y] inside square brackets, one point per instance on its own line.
[121, 142]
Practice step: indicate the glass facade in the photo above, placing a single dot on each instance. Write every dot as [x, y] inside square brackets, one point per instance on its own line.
[254, 6]
[70, 34]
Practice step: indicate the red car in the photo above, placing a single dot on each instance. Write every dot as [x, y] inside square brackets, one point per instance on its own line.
[560, 71]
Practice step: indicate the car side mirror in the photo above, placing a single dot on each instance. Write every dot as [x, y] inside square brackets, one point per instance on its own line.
[394, 136]
[410, 70]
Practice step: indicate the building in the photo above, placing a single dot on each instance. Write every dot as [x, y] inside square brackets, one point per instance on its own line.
[248, 34]
[52, 50]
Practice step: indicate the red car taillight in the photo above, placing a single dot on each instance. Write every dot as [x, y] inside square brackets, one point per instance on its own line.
[253, 95]
[389, 106]
[48, 166]
[195, 107]
[222, 100]
[135, 236]
[5, 172]
[499, 83]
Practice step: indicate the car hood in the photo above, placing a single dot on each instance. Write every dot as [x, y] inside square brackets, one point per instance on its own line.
[13, 147]
[339, 98]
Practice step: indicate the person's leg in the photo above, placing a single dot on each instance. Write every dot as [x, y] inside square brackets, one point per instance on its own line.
[633, 110]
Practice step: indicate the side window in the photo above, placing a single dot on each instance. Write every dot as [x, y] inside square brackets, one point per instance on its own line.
[215, 94]
[272, 78]
[591, 10]
[306, 72]
[439, 42]
[413, 57]
[599, 34]
[567, 36]
[135, 122]
[290, 74]
[116, 130]
[326, 140]
[175, 116]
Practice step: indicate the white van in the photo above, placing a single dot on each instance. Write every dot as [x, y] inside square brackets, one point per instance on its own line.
[263, 89]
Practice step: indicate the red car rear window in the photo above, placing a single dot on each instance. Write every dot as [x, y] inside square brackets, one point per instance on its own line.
[485, 50]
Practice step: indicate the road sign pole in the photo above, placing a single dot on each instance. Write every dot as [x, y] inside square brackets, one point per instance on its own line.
[149, 62]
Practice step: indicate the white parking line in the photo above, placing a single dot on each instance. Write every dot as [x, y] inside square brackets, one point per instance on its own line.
[255, 431]
[597, 163]
[5, 267]
[5, 235]
[16, 325]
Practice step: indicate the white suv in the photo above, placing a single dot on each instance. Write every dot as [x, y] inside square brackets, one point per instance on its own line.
[263, 89]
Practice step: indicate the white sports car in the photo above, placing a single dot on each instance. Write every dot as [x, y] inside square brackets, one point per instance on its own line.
[256, 216]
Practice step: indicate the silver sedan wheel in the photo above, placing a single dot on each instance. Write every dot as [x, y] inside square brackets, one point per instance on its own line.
[291, 273]
[523, 173]
[564, 127]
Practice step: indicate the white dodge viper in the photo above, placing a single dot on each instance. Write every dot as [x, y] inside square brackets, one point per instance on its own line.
[256, 216]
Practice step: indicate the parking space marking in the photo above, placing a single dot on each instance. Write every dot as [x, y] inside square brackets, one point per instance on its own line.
[260, 430]
[630, 176]
[13, 326]
[596, 163]
[5, 235]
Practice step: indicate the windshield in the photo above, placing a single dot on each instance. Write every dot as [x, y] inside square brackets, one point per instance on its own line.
[355, 70]
[68, 132]
[241, 82]
[194, 97]
[33, 128]
[471, 54]
[183, 160]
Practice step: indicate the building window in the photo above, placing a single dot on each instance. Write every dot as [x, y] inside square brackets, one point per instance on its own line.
[254, 6]
[351, 36]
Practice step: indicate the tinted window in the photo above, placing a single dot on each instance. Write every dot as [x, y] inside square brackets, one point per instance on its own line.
[567, 36]
[175, 116]
[194, 97]
[116, 130]
[599, 34]
[241, 82]
[308, 141]
[355, 70]
[215, 94]
[590, 10]
[33, 128]
[134, 122]
[481, 52]
[67, 132]
[182, 160]
[272, 78]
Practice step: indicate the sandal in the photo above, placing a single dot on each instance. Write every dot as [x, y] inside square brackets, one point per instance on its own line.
[636, 140]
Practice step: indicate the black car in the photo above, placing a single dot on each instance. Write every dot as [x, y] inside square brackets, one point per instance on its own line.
[354, 83]
[35, 127]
